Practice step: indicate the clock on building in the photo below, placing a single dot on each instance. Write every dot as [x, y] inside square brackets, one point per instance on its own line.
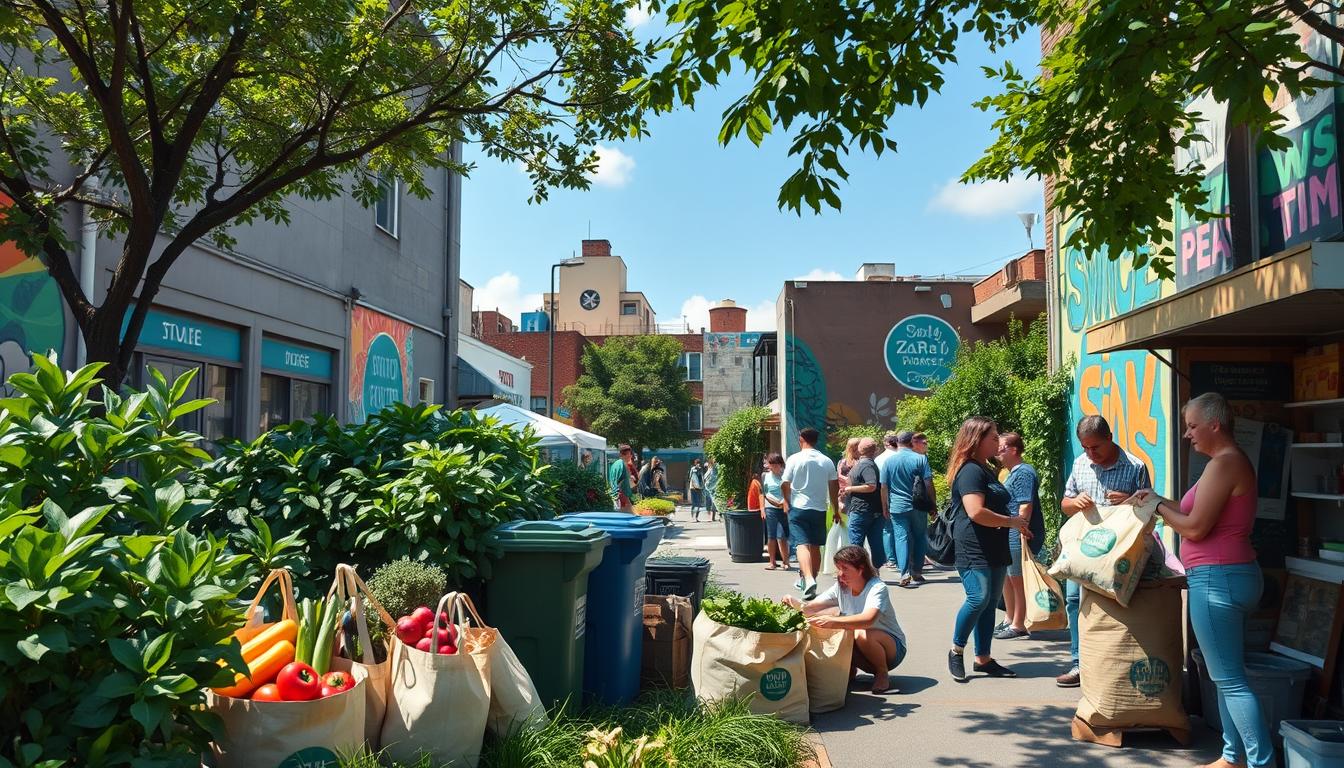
[589, 299]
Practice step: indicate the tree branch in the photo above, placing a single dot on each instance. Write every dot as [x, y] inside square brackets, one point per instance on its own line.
[1314, 20]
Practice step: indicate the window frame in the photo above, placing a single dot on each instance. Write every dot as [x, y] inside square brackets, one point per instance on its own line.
[545, 405]
[633, 306]
[685, 363]
[699, 410]
[394, 198]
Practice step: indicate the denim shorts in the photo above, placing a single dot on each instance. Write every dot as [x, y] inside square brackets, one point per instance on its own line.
[1015, 550]
[776, 523]
[807, 526]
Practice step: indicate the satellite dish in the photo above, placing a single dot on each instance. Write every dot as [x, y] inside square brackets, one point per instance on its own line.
[1028, 220]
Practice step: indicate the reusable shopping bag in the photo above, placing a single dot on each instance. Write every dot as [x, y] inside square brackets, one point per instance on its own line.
[1045, 597]
[835, 539]
[767, 667]
[827, 667]
[270, 734]
[1106, 548]
[439, 704]
[514, 701]
[378, 676]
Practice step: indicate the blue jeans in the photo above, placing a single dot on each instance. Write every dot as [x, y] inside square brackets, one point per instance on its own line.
[910, 540]
[1072, 595]
[870, 526]
[1221, 598]
[983, 586]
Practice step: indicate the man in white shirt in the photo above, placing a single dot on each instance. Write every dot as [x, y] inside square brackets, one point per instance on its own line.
[809, 481]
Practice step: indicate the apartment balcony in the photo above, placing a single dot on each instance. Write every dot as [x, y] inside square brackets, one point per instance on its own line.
[1018, 290]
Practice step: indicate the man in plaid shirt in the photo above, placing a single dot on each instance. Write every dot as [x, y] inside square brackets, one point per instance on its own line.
[1103, 476]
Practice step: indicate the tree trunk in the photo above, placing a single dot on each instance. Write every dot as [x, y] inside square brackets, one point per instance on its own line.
[102, 339]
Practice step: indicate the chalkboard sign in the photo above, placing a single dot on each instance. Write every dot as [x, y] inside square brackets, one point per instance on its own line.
[1310, 612]
[1243, 381]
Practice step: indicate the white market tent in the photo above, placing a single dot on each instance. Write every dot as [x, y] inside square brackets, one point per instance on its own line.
[552, 434]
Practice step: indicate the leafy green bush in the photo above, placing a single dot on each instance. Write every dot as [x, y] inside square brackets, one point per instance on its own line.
[754, 614]
[412, 481]
[738, 447]
[655, 507]
[114, 612]
[578, 489]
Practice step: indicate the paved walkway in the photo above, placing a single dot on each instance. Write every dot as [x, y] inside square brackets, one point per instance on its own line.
[934, 721]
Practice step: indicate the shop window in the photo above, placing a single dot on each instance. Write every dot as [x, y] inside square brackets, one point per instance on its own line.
[690, 365]
[274, 401]
[284, 400]
[308, 398]
[539, 405]
[221, 417]
[695, 419]
[425, 390]
[387, 208]
[629, 308]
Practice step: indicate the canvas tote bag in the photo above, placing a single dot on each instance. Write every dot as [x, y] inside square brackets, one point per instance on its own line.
[827, 667]
[1045, 597]
[514, 701]
[768, 667]
[378, 676]
[1106, 549]
[438, 704]
[276, 734]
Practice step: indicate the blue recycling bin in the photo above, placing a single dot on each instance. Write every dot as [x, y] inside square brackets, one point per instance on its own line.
[615, 642]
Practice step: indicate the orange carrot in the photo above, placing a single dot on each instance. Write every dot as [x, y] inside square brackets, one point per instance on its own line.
[261, 671]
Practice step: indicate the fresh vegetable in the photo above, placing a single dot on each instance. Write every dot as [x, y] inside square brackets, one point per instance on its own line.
[336, 682]
[409, 630]
[447, 650]
[753, 614]
[303, 646]
[326, 634]
[267, 692]
[261, 670]
[350, 633]
[299, 682]
[281, 630]
[445, 637]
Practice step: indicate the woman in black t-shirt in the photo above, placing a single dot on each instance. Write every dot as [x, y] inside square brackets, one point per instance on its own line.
[980, 524]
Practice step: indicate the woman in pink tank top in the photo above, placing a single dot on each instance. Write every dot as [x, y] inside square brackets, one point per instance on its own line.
[1214, 520]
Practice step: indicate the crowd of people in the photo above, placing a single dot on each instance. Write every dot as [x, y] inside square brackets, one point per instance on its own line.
[888, 499]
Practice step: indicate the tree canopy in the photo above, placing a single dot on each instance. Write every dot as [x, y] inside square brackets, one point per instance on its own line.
[633, 390]
[176, 120]
[1114, 100]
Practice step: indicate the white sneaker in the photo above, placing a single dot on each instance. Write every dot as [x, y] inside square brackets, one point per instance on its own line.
[798, 585]
[810, 593]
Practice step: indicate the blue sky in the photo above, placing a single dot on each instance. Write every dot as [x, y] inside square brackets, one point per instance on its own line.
[697, 222]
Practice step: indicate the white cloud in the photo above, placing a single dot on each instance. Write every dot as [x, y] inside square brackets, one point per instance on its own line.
[614, 167]
[638, 15]
[990, 198]
[504, 293]
[820, 274]
[760, 317]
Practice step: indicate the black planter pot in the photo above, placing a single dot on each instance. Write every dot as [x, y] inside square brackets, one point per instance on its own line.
[746, 536]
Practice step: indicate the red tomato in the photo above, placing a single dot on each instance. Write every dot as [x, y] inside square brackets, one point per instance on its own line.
[447, 650]
[336, 682]
[267, 692]
[298, 682]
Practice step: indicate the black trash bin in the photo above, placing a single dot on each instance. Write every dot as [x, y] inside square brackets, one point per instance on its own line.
[746, 537]
[685, 576]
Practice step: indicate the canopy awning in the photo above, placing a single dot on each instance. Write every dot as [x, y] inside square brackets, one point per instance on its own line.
[1293, 299]
[548, 430]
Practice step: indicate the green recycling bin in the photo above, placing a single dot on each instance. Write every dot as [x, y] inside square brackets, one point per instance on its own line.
[537, 597]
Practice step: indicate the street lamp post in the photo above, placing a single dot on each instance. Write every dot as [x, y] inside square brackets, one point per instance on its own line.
[550, 353]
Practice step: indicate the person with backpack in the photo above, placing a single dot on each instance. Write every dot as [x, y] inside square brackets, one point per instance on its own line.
[908, 499]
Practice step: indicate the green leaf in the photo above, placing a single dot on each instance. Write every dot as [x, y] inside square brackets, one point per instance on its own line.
[23, 596]
[46, 639]
[126, 655]
[157, 653]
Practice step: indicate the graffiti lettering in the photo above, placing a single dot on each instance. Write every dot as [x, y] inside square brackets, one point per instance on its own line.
[1123, 388]
[1100, 288]
[1299, 187]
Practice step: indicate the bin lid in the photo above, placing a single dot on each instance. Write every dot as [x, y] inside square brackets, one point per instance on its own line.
[549, 536]
[678, 563]
[621, 525]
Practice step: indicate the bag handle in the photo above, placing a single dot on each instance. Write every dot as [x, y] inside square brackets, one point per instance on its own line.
[349, 588]
[282, 580]
[463, 609]
[446, 604]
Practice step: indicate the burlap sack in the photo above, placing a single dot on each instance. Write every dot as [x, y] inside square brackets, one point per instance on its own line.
[438, 704]
[1130, 658]
[1045, 596]
[276, 734]
[827, 666]
[767, 667]
[378, 676]
[1106, 549]
[666, 658]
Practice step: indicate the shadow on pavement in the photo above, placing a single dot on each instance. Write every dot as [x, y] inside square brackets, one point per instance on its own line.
[864, 709]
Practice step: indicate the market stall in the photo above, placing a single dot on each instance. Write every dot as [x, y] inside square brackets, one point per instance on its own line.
[559, 441]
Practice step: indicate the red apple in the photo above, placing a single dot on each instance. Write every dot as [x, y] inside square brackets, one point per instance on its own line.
[424, 645]
[447, 650]
[423, 616]
[408, 630]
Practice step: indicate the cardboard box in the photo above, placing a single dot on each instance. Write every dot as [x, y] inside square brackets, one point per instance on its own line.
[1316, 374]
[666, 661]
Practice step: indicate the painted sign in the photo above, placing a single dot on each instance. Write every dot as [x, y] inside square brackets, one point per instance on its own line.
[381, 362]
[920, 351]
[1204, 248]
[1130, 390]
[179, 333]
[32, 314]
[288, 357]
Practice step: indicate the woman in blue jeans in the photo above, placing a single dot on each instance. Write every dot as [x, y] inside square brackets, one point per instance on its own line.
[980, 524]
[1214, 520]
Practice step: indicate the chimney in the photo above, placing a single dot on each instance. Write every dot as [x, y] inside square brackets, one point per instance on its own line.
[873, 272]
[596, 248]
[727, 317]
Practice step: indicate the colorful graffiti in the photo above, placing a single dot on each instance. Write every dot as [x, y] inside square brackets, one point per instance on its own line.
[805, 399]
[1131, 390]
[32, 314]
[381, 365]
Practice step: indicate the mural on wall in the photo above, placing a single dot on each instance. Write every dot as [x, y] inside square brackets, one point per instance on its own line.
[32, 314]
[806, 401]
[381, 358]
[920, 351]
[1204, 248]
[1131, 389]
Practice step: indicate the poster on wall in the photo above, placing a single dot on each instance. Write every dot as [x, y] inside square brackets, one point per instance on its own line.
[1268, 448]
[380, 363]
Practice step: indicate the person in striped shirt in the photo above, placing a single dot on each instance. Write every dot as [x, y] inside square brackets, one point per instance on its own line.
[1105, 475]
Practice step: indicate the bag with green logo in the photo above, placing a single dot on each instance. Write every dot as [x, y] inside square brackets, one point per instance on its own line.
[1045, 598]
[769, 668]
[1130, 658]
[1106, 548]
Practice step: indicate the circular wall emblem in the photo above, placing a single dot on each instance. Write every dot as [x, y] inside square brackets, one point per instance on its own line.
[1097, 542]
[1047, 600]
[589, 299]
[1150, 676]
[776, 684]
[383, 383]
[920, 350]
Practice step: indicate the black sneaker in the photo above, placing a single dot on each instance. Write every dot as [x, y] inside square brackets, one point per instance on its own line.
[1011, 633]
[994, 669]
[956, 664]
